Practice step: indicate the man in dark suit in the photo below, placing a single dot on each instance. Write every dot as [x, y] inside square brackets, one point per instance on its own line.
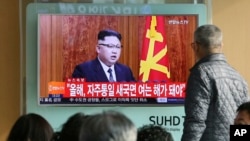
[105, 67]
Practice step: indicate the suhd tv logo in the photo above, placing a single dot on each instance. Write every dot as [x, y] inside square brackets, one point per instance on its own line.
[239, 132]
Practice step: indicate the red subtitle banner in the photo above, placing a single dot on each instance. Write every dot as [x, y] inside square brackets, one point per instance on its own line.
[124, 90]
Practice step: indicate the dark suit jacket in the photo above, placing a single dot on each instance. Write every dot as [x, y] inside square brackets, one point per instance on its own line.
[92, 71]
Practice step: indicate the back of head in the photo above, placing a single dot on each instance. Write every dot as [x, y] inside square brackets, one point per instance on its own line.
[208, 36]
[71, 128]
[244, 107]
[153, 133]
[31, 127]
[108, 126]
[108, 32]
[243, 114]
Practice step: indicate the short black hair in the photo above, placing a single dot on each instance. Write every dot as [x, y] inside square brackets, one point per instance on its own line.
[244, 107]
[108, 32]
[153, 132]
[31, 126]
[71, 128]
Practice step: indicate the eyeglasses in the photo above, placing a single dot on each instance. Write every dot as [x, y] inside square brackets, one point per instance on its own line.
[110, 46]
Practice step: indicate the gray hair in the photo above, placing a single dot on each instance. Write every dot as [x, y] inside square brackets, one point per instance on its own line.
[208, 36]
[108, 126]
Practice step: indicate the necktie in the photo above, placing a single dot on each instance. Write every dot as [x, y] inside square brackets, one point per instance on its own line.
[111, 79]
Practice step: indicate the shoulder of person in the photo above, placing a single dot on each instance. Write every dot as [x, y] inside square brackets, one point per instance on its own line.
[87, 63]
[120, 65]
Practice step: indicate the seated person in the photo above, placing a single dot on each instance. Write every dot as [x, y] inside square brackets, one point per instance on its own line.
[153, 133]
[31, 127]
[108, 126]
[71, 128]
[105, 68]
[243, 114]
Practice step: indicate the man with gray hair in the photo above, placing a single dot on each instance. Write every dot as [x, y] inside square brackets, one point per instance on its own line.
[214, 90]
[108, 126]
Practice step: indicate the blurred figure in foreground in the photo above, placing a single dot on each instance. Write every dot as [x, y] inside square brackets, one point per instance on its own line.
[71, 128]
[31, 127]
[108, 126]
[243, 114]
[153, 133]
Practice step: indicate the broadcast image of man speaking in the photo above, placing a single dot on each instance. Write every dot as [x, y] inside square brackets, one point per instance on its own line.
[105, 67]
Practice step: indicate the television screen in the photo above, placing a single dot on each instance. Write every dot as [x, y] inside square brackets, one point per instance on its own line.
[62, 35]
[66, 40]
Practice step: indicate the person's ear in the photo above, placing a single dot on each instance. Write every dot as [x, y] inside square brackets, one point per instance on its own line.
[97, 48]
[196, 48]
[222, 45]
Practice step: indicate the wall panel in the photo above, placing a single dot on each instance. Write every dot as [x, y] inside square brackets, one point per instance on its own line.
[9, 66]
[234, 19]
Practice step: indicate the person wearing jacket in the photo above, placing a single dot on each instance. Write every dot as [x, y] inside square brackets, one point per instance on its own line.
[105, 67]
[214, 90]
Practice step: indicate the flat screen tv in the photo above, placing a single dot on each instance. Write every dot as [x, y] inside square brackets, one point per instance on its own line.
[61, 35]
[67, 35]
